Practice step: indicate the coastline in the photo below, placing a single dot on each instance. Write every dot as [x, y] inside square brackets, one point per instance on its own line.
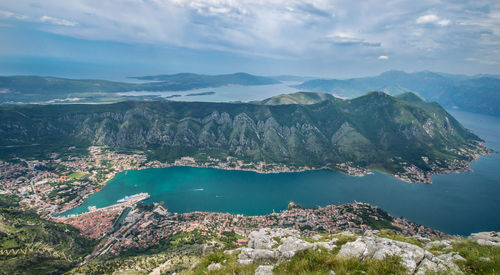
[102, 165]
[263, 168]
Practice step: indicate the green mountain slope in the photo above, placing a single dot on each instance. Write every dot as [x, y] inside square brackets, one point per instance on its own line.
[31, 245]
[305, 98]
[41, 85]
[376, 130]
[477, 93]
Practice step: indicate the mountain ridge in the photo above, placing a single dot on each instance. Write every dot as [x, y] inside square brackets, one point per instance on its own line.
[374, 131]
[471, 93]
[304, 98]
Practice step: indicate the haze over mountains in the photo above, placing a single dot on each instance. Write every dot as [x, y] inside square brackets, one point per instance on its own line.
[174, 82]
[40, 89]
[480, 93]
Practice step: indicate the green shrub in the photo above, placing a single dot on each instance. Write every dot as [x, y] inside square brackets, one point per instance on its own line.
[479, 259]
[228, 262]
[322, 261]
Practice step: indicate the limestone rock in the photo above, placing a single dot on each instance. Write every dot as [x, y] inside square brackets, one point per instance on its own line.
[265, 237]
[445, 243]
[264, 270]
[440, 264]
[250, 255]
[214, 266]
[378, 248]
[427, 266]
[262, 249]
[316, 237]
[486, 238]
[261, 246]
[326, 245]
[416, 259]
[261, 240]
[291, 245]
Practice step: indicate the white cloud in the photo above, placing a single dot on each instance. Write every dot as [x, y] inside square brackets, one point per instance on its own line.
[482, 61]
[429, 18]
[383, 57]
[57, 21]
[342, 38]
[444, 22]
[432, 19]
[292, 29]
[8, 14]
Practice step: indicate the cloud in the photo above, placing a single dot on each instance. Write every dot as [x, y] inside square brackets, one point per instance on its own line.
[341, 38]
[417, 32]
[9, 14]
[383, 57]
[432, 19]
[482, 61]
[6, 14]
[57, 21]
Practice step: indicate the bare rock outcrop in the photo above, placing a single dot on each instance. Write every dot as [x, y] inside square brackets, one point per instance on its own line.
[486, 238]
[416, 259]
[276, 245]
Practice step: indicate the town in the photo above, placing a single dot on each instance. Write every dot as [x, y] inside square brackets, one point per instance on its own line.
[142, 226]
[61, 182]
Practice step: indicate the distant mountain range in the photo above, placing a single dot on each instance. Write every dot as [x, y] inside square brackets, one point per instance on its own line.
[403, 136]
[292, 78]
[188, 81]
[38, 88]
[480, 93]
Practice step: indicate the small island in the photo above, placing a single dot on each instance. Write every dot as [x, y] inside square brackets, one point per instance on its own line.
[202, 93]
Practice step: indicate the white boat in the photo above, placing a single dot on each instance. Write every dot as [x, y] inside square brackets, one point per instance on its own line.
[140, 196]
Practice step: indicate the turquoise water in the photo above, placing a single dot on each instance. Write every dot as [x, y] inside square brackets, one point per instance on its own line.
[455, 203]
[226, 93]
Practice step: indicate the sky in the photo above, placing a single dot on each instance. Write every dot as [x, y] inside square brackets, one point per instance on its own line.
[335, 39]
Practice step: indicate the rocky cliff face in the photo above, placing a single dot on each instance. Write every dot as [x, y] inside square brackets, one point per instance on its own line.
[375, 130]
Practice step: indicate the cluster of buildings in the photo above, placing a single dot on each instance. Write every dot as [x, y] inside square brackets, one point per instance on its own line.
[59, 183]
[351, 169]
[147, 225]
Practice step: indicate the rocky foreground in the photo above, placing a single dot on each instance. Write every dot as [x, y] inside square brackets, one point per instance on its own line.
[275, 251]
[346, 239]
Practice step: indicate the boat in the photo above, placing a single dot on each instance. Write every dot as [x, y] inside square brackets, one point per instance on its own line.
[138, 197]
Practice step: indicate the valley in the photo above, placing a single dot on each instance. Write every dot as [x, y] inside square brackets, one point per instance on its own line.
[61, 162]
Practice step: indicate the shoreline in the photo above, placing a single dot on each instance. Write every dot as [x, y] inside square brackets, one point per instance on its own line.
[137, 160]
[360, 172]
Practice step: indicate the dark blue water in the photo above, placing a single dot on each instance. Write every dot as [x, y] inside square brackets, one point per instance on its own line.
[455, 203]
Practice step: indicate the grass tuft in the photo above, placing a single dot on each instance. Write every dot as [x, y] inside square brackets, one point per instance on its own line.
[322, 262]
[479, 259]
